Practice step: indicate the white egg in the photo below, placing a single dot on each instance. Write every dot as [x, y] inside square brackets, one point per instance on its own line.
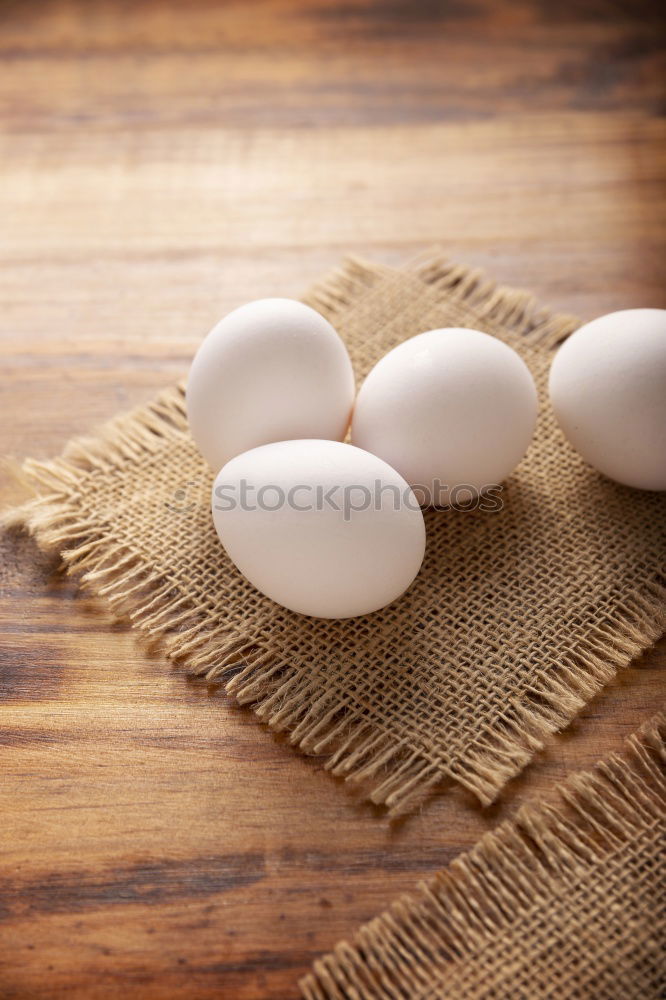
[272, 370]
[608, 390]
[453, 410]
[320, 527]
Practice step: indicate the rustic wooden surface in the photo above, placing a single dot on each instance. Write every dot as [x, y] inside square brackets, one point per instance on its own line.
[163, 161]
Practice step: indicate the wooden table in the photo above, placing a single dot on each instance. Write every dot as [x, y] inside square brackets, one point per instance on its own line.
[163, 162]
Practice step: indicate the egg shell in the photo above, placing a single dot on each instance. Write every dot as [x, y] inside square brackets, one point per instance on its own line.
[272, 370]
[297, 549]
[452, 410]
[608, 390]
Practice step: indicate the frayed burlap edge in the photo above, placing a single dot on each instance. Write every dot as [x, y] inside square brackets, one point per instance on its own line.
[408, 950]
[394, 773]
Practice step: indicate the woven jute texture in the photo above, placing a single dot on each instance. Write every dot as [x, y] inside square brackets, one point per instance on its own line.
[566, 901]
[517, 618]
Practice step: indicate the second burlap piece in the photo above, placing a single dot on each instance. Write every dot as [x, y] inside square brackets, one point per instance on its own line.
[567, 901]
[517, 618]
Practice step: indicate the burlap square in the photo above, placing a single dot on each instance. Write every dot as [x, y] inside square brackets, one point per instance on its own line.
[517, 618]
[568, 900]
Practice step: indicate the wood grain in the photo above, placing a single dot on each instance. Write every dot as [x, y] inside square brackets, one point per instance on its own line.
[162, 162]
